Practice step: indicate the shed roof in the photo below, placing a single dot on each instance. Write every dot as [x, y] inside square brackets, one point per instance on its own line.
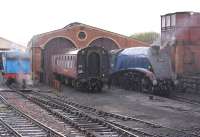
[183, 12]
[75, 24]
[7, 45]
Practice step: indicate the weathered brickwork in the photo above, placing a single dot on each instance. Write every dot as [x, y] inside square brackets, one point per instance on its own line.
[181, 31]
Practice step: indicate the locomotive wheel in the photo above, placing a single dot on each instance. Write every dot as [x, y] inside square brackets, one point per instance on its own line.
[77, 84]
[68, 82]
[95, 85]
[97, 88]
[145, 85]
[125, 81]
[162, 90]
[9, 81]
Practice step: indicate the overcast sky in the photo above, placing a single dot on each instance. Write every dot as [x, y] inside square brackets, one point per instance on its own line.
[21, 19]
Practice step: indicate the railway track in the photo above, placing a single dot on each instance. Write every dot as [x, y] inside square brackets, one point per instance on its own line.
[186, 100]
[89, 124]
[46, 117]
[7, 131]
[14, 123]
[113, 121]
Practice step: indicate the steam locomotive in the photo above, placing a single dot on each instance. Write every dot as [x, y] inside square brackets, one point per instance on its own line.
[86, 69]
[147, 69]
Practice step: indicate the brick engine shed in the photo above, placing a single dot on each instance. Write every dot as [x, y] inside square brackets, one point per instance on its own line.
[72, 36]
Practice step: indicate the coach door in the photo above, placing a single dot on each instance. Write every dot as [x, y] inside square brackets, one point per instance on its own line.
[93, 64]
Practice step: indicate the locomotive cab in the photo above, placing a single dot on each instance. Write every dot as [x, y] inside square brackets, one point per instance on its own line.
[93, 67]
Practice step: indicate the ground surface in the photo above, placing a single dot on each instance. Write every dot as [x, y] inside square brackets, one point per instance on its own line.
[163, 111]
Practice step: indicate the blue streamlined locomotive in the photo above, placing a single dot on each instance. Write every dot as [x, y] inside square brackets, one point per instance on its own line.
[15, 66]
[145, 69]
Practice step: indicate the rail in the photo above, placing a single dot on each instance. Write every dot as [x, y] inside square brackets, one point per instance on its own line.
[69, 111]
[20, 125]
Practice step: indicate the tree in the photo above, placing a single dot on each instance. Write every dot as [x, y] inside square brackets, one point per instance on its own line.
[148, 37]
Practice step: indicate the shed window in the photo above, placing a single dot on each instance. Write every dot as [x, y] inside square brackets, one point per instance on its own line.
[163, 21]
[167, 21]
[173, 20]
[81, 35]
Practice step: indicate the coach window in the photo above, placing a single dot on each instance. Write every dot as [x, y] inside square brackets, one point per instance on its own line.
[58, 60]
[73, 62]
[61, 61]
[69, 64]
[55, 60]
[65, 63]
[65, 58]
[70, 61]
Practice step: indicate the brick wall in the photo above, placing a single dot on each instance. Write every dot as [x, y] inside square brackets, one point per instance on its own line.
[38, 42]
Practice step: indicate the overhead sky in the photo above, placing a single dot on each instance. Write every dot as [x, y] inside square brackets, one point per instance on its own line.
[21, 19]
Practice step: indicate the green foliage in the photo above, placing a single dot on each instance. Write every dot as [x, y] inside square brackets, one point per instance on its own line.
[148, 37]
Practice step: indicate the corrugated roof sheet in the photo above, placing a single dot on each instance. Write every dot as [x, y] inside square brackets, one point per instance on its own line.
[7, 45]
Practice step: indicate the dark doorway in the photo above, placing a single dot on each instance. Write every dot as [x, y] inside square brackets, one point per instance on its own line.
[106, 43]
[55, 46]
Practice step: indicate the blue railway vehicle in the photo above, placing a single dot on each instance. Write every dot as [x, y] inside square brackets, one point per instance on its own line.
[147, 69]
[16, 66]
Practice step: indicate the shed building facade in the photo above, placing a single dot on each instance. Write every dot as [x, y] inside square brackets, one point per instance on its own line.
[181, 31]
[72, 36]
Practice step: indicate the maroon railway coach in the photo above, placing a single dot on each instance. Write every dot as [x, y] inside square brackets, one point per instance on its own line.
[86, 68]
